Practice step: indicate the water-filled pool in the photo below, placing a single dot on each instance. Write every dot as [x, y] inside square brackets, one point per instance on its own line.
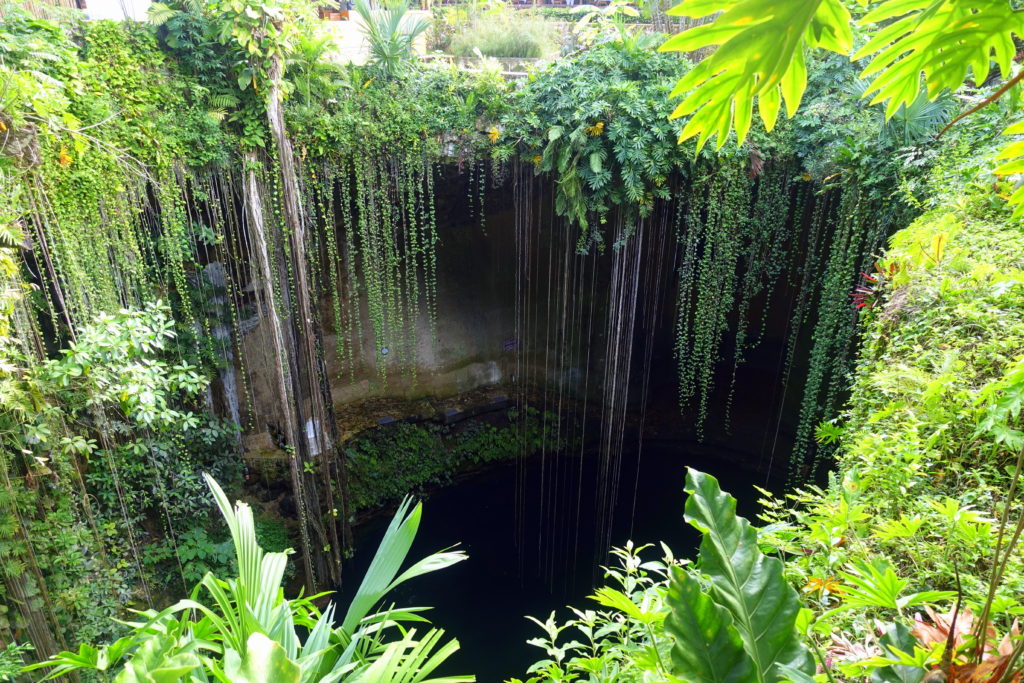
[483, 601]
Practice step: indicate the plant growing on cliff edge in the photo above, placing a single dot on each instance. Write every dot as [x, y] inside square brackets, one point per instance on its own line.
[390, 33]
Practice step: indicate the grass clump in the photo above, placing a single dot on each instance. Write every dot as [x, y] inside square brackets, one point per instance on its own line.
[506, 36]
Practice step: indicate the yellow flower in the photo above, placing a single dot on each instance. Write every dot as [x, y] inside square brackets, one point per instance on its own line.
[65, 158]
[494, 134]
[594, 130]
[806, 176]
[823, 586]
[537, 159]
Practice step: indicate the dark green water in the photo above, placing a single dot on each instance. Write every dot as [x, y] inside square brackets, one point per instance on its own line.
[483, 601]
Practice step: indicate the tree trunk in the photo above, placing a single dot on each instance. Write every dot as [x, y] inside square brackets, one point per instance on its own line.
[282, 379]
[314, 410]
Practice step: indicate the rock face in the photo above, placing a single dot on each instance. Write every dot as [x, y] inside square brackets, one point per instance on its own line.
[19, 143]
[474, 326]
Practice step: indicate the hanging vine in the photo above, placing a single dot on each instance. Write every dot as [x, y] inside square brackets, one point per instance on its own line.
[716, 227]
[855, 233]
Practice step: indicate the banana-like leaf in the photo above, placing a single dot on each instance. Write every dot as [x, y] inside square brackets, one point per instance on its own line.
[708, 648]
[750, 586]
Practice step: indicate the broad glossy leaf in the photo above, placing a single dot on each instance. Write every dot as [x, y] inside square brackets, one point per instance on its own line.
[264, 662]
[898, 637]
[749, 585]
[708, 648]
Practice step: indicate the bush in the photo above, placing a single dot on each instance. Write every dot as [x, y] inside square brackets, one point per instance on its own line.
[387, 463]
[447, 22]
[507, 35]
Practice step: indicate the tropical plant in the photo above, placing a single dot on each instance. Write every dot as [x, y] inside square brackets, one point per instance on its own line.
[250, 633]
[609, 24]
[730, 618]
[390, 33]
[918, 48]
[509, 35]
[11, 661]
[736, 619]
[623, 640]
[914, 122]
[315, 75]
[599, 124]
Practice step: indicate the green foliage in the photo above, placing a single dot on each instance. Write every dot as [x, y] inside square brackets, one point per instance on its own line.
[610, 24]
[760, 54]
[927, 438]
[131, 133]
[388, 463]
[598, 124]
[114, 417]
[921, 50]
[941, 43]
[389, 33]
[11, 660]
[195, 552]
[876, 585]
[506, 35]
[248, 633]
[572, 14]
[733, 617]
[747, 598]
[708, 646]
[446, 22]
[624, 641]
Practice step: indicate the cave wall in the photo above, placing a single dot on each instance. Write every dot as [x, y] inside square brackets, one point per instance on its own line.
[478, 354]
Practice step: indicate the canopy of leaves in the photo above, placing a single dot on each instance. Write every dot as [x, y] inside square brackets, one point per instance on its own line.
[600, 124]
[929, 46]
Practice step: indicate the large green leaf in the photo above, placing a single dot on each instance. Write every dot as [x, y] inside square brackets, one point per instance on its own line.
[264, 662]
[760, 53]
[750, 586]
[382, 575]
[708, 648]
[942, 40]
[898, 637]
[158, 660]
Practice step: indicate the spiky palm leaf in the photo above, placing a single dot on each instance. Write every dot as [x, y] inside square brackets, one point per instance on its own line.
[389, 33]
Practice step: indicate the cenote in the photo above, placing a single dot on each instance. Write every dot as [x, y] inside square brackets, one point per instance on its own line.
[259, 286]
[535, 565]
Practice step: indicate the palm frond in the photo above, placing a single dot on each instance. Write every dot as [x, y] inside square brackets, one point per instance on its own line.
[390, 34]
[160, 13]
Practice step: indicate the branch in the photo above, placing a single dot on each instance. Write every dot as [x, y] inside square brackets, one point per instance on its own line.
[984, 103]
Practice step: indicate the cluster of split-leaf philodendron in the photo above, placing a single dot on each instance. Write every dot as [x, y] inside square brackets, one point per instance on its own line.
[914, 49]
